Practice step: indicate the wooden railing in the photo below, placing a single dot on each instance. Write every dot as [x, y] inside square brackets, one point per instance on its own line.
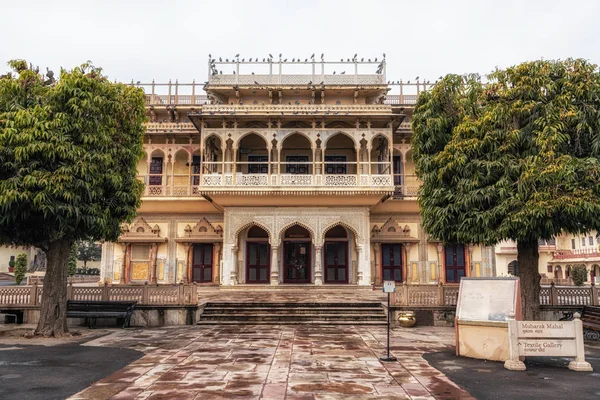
[30, 296]
[447, 295]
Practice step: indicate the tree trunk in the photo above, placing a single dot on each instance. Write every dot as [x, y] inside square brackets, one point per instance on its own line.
[53, 308]
[528, 257]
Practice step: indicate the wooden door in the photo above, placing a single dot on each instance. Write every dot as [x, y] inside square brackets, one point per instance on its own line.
[202, 264]
[455, 262]
[296, 262]
[391, 262]
[336, 262]
[257, 262]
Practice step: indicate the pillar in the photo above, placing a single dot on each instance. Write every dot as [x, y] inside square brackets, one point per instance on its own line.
[364, 264]
[124, 278]
[234, 266]
[318, 265]
[274, 265]
[217, 263]
[188, 263]
[442, 269]
[153, 251]
[377, 272]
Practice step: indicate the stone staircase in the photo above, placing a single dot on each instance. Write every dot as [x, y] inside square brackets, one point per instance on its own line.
[591, 318]
[292, 313]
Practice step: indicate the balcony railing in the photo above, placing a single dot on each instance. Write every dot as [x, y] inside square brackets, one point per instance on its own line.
[576, 254]
[193, 94]
[174, 186]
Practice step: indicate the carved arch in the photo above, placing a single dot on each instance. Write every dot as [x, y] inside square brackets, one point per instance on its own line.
[287, 226]
[357, 236]
[326, 140]
[287, 135]
[236, 143]
[248, 225]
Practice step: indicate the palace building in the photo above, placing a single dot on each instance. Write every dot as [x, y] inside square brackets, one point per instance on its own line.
[280, 172]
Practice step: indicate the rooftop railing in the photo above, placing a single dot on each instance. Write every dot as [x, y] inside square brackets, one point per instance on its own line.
[193, 94]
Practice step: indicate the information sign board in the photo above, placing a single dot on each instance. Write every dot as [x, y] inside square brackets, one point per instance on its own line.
[488, 299]
[389, 286]
[546, 339]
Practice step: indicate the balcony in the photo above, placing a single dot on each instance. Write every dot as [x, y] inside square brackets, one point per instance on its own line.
[172, 186]
[582, 254]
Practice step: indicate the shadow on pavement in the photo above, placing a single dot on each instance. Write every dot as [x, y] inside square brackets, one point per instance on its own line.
[56, 372]
[546, 377]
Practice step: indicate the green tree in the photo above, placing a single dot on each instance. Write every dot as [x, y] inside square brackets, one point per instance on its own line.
[514, 159]
[68, 155]
[88, 250]
[20, 268]
[579, 273]
[72, 262]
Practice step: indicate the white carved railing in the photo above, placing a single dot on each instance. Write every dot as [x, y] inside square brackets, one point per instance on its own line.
[381, 180]
[252, 179]
[296, 180]
[340, 180]
[218, 180]
[31, 295]
[212, 180]
[424, 295]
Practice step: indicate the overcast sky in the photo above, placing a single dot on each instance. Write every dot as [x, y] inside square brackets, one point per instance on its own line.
[145, 40]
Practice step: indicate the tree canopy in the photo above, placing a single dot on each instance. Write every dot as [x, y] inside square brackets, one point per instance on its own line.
[516, 158]
[68, 155]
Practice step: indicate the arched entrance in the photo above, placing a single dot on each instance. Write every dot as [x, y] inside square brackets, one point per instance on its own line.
[258, 265]
[336, 255]
[297, 251]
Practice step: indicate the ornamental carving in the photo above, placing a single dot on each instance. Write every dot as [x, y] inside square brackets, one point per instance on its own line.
[140, 232]
[203, 231]
[316, 220]
[392, 231]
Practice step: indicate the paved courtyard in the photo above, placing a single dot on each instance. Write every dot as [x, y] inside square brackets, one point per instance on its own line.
[276, 362]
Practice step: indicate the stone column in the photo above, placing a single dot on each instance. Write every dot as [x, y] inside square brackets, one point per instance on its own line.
[274, 266]
[124, 280]
[234, 265]
[377, 272]
[217, 264]
[363, 264]
[441, 261]
[188, 262]
[153, 251]
[318, 265]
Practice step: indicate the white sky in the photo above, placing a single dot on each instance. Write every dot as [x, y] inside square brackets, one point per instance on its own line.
[145, 40]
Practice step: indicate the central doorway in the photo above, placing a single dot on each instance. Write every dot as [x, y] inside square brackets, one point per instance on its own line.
[202, 263]
[258, 267]
[336, 255]
[296, 255]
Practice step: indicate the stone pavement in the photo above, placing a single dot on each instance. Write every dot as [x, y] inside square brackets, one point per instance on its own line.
[276, 362]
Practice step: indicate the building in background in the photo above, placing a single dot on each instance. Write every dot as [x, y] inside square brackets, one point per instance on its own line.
[283, 172]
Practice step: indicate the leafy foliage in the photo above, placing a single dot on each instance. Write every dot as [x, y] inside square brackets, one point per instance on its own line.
[68, 155]
[20, 268]
[88, 250]
[515, 159]
[579, 274]
[72, 263]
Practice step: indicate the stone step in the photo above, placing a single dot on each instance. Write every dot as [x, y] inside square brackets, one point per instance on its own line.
[295, 310]
[308, 317]
[320, 323]
[291, 305]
